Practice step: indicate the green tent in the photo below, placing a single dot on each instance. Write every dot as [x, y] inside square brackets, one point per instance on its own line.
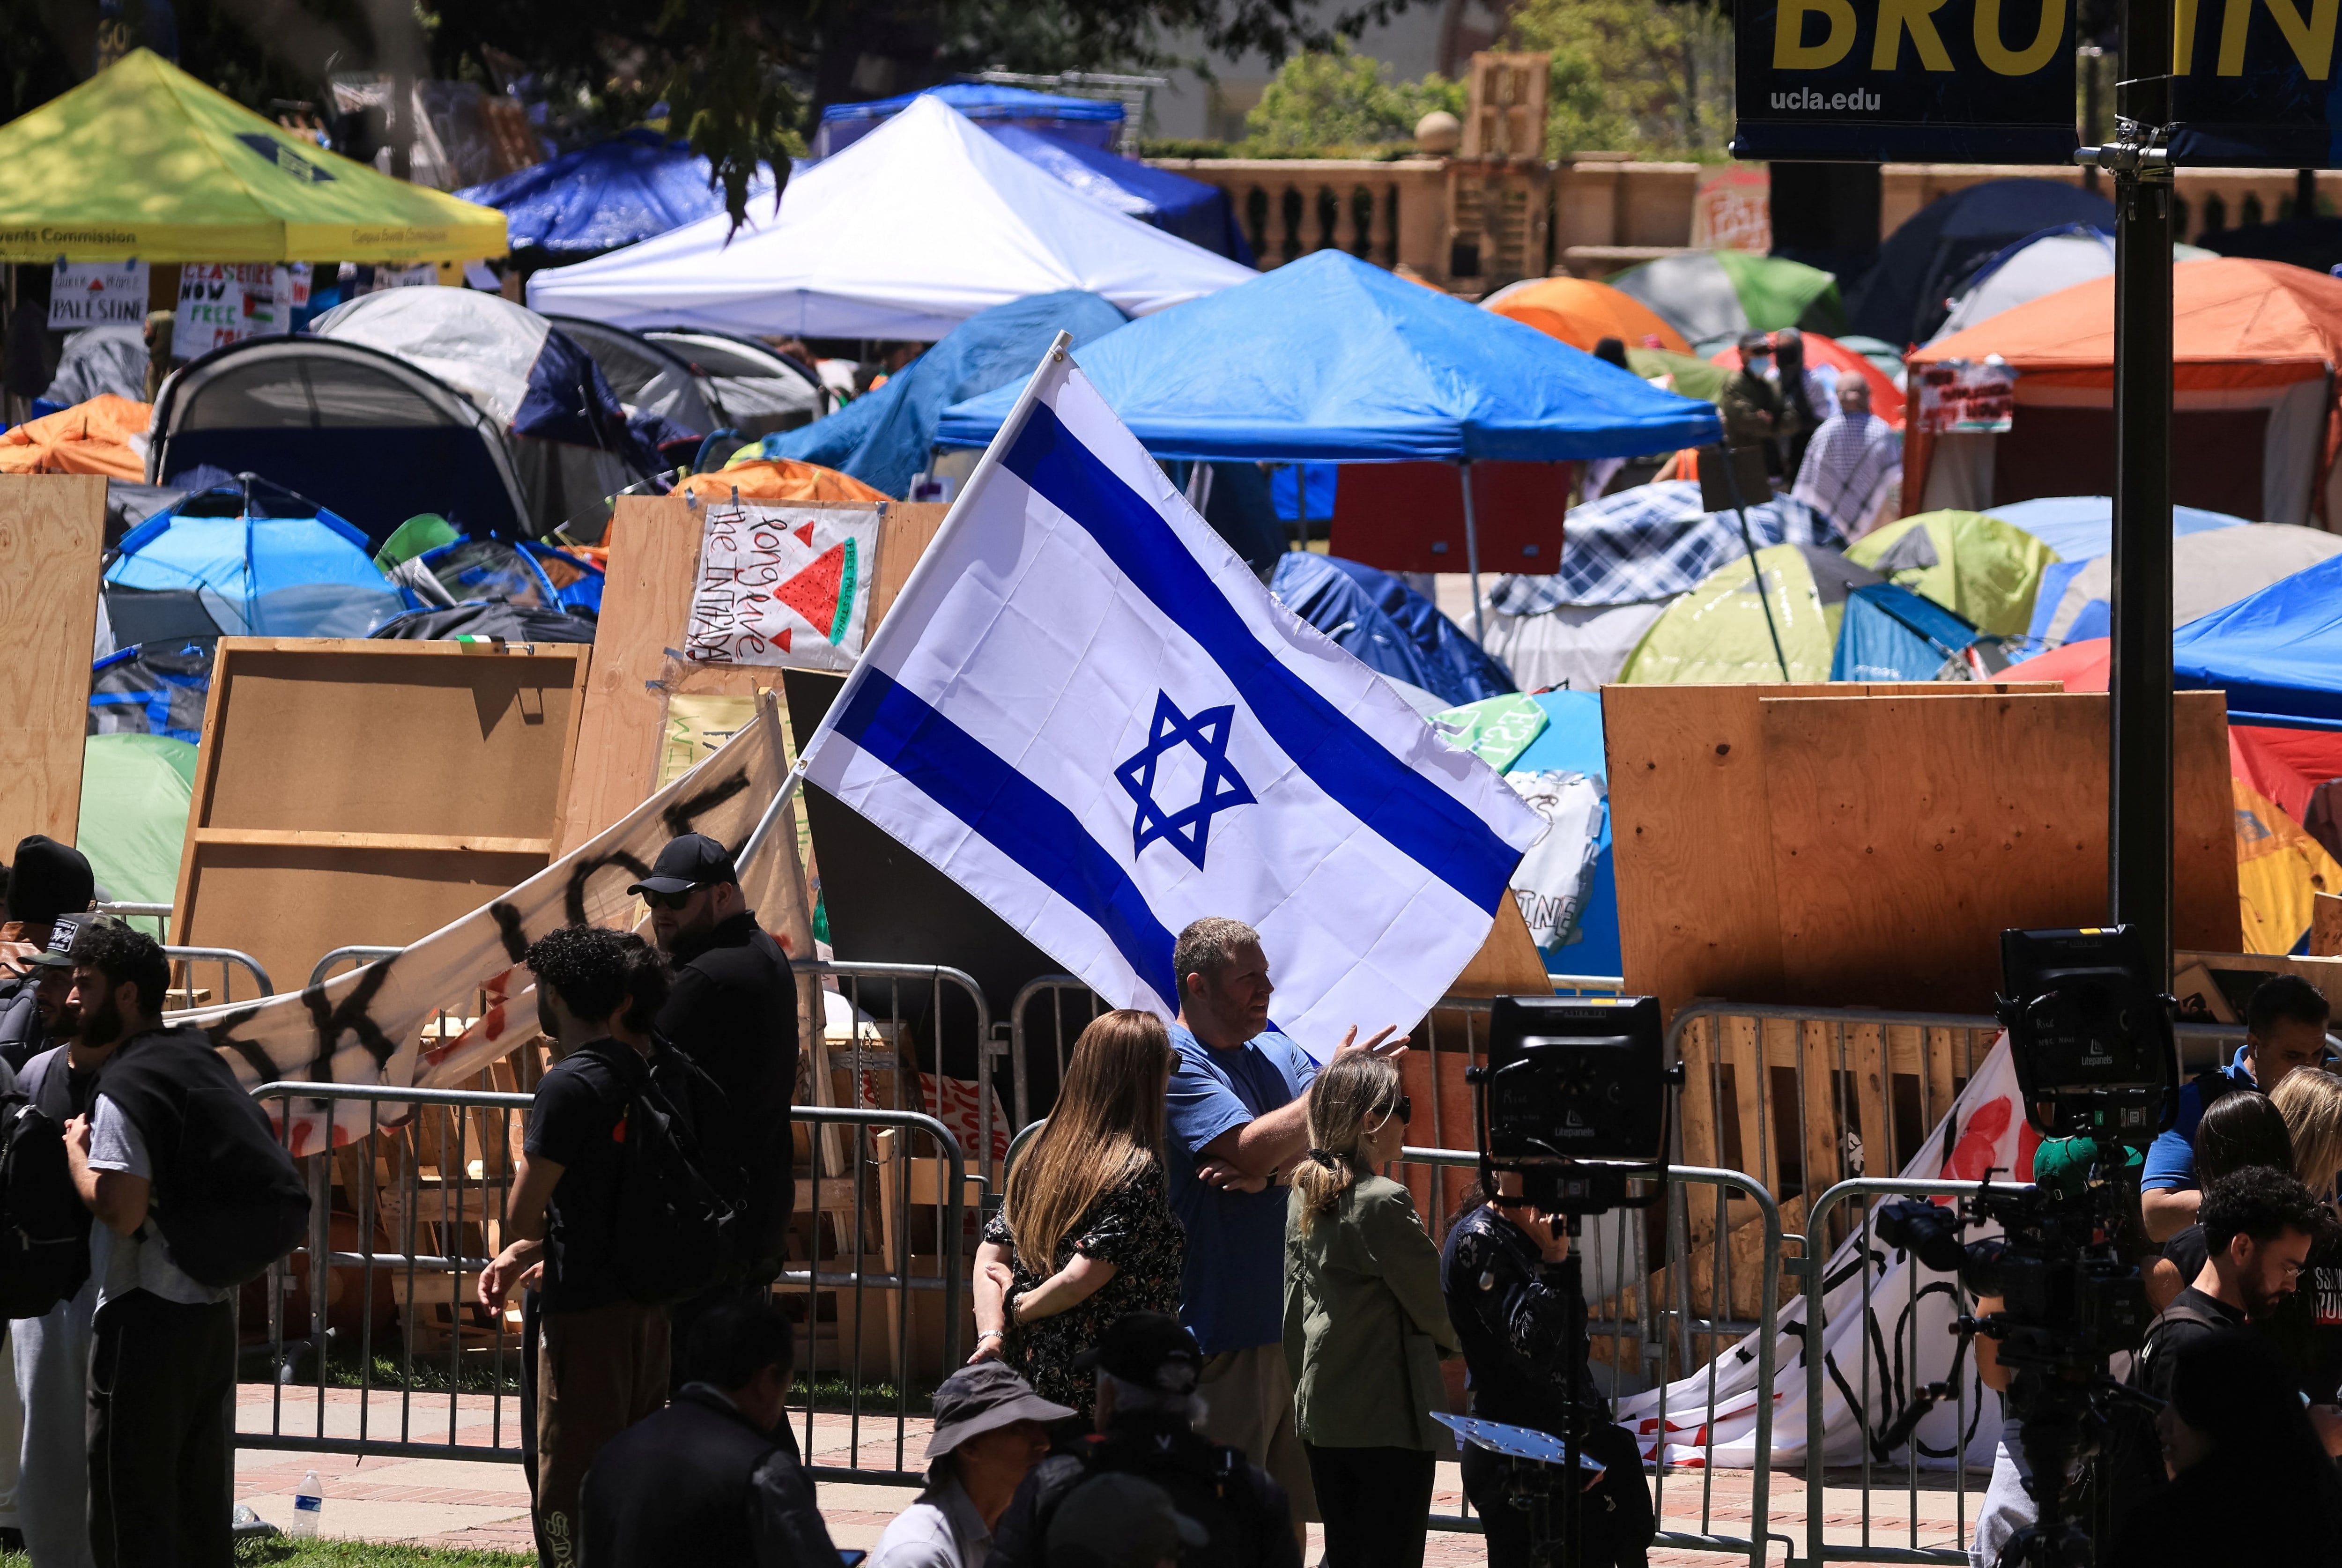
[135, 792]
[1712, 294]
[1694, 376]
[143, 162]
[1716, 634]
[1979, 568]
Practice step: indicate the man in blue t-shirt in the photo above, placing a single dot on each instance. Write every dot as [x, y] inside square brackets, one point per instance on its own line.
[2285, 1028]
[1237, 1122]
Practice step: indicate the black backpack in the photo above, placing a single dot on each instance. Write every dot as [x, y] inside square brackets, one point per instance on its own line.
[227, 1195]
[677, 1220]
[44, 1225]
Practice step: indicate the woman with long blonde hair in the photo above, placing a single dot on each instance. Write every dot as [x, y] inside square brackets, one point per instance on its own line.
[1365, 1322]
[1086, 1234]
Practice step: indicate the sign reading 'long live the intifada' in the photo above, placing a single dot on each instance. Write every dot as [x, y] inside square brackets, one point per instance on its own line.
[1873, 81]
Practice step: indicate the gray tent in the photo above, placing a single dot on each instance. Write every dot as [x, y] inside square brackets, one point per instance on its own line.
[756, 390]
[648, 377]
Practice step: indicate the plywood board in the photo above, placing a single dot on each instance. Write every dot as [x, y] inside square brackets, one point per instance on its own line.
[52, 539]
[645, 603]
[1690, 827]
[1893, 879]
[2325, 925]
[367, 793]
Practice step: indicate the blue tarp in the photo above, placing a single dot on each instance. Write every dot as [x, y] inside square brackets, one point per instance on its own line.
[1890, 633]
[1197, 212]
[1389, 626]
[1332, 358]
[1571, 742]
[882, 439]
[1901, 299]
[596, 199]
[2277, 653]
[300, 573]
[1096, 121]
[2081, 528]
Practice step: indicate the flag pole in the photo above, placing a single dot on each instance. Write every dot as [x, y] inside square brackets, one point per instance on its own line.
[968, 495]
[1472, 553]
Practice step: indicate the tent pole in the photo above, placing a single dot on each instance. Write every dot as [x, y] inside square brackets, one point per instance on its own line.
[1472, 553]
[1756, 572]
[1301, 501]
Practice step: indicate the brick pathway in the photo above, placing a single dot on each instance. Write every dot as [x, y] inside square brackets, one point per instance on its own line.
[483, 1504]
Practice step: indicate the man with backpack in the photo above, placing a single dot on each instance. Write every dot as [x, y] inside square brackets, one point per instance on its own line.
[194, 1195]
[609, 1195]
[1148, 1367]
[734, 1012]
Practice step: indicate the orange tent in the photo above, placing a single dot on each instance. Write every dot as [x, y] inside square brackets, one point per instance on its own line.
[93, 437]
[1582, 313]
[1886, 397]
[2255, 423]
[779, 479]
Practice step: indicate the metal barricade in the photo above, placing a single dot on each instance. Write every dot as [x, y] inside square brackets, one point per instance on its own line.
[882, 1053]
[184, 962]
[1058, 989]
[361, 956]
[132, 910]
[375, 1343]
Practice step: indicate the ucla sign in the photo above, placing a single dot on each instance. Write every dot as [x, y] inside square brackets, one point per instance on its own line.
[2254, 85]
[1940, 80]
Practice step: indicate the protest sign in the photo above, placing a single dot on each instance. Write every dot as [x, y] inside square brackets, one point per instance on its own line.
[784, 585]
[224, 303]
[1964, 397]
[97, 294]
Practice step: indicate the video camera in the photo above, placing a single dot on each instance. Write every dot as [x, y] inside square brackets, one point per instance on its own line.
[2098, 1069]
[1573, 1097]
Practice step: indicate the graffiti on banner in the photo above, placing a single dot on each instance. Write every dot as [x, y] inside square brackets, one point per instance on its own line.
[367, 1026]
[784, 585]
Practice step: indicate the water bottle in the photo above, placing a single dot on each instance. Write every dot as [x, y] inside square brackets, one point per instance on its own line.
[308, 1507]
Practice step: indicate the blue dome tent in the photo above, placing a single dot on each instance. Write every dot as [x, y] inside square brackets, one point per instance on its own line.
[1387, 626]
[635, 185]
[262, 562]
[1901, 299]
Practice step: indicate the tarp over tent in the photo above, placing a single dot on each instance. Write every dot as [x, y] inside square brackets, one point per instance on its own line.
[1333, 359]
[906, 234]
[645, 377]
[2277, 653]
[143, 162]
[1390, 628]
[1981, 568]
[777, 479]
[580, 203]
[884, 437]
[1096, 122]
[2253, 423]
[1709, 294]
[264, 564]
[2210, 571]
[1901, 298]
[1200, 214]
[104, 435]
[1581, 313]
[99, 360]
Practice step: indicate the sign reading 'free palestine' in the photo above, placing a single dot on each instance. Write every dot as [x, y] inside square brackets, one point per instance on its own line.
[1935, 81]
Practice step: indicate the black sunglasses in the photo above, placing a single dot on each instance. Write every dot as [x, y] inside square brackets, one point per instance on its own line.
[668, 900]
[1404, 1109]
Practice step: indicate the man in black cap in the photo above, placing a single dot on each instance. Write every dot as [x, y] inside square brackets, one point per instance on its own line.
[47, 879]
[734, 1012]
[1148, 1368]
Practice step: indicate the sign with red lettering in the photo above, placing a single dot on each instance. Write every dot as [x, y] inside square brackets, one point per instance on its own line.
[784, 585]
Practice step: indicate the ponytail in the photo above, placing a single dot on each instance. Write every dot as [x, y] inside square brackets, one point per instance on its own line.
[1342, 1100]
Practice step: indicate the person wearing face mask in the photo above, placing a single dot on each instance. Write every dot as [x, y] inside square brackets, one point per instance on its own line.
[1751, 406]
[1365, 1322]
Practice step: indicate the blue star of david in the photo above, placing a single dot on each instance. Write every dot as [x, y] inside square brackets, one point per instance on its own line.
[1189, 828]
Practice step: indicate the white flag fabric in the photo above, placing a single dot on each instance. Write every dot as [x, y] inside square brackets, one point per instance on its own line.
[1088, 712]
[366, 1026]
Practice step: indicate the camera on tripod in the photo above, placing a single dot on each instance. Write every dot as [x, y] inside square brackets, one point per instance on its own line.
[1575, 1098]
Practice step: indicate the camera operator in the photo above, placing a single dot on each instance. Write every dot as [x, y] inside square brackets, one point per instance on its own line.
[2285, 1029]
[1500, 1273]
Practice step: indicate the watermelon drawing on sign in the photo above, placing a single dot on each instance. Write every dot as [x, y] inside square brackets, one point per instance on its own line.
[823, 592]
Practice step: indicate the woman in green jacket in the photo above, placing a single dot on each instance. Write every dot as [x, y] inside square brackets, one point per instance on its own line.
[1365, 1322]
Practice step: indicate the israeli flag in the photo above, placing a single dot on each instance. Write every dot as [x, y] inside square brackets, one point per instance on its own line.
[1085, 710]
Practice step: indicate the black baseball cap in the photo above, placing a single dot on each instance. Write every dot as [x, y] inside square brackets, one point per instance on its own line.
[62, 934]
[695, 860]
[47, 879]
[1149, 1349]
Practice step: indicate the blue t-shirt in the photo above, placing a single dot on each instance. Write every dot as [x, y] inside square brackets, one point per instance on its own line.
[2171, 1162]
[1232, 1294]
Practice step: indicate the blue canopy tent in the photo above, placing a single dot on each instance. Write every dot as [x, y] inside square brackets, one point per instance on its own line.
[2277, 653]
[635, 185]
[882, 439]
[271, 567]
[1387, 626]
[1199, 213]
[1095, 121]
[1333, 359]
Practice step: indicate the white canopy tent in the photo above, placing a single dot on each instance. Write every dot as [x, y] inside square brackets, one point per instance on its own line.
[904, 235]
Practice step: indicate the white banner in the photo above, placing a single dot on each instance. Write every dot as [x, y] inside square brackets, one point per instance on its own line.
[225, 304]
[786, 586]
[366, 1026]
[97, 294]
[1873, 1360]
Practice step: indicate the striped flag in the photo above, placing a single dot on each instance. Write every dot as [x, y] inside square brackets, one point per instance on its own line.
[1088, 712]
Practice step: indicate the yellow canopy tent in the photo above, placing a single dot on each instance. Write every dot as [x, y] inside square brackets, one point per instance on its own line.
[143, 162]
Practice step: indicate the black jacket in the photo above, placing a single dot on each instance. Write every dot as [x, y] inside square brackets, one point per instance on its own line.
[697, 1485]
[734, 1011]
[22, 1038]
[1246, 1511]
[1510, 1311]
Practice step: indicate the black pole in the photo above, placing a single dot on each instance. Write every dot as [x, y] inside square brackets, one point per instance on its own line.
[1756, 572]
[2140, 786]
